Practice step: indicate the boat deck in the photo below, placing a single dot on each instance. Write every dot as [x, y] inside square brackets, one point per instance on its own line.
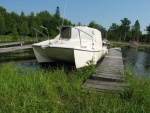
[109, 76]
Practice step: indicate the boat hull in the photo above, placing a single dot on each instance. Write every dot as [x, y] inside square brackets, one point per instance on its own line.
[53, 54]
[84, 58]
[76, 56]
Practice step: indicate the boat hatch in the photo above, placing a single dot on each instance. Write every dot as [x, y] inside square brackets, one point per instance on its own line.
[66, 33]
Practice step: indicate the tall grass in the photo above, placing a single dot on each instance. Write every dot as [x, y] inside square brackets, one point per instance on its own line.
[6, 38]
[56, 90]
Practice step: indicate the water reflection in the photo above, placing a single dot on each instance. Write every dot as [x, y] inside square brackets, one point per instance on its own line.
[29, 63]
[34, 64]
[139, 60]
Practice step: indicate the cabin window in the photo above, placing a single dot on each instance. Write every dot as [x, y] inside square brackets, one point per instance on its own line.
[66, 32]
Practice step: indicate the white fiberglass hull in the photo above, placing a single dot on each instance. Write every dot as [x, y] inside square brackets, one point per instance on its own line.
[77, 56]
[76, 45]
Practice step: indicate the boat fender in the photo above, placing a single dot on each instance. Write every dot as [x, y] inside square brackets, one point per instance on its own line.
[94, 59]
[106, 51]
[43, 47]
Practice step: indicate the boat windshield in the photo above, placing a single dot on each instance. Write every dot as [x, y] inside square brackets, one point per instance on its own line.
[66, 32]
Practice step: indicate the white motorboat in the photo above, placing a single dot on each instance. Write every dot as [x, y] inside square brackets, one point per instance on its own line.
[77, 45]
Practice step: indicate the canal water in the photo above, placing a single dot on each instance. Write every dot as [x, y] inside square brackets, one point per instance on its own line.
[137, 61]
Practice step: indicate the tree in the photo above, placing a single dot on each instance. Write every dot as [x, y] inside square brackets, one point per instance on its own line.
[9, 23]
[136, 31]
[115, 32]
[148, 31]
[32, 23]
[57, 13]
[10, 19]
[2, 10]
[125, 26]
[67, 22]
[79, 24]
[24, 30]
[24, 24]
[44, 18]
[15, 33]
[93, 24]
[2, 25]
[22, 17]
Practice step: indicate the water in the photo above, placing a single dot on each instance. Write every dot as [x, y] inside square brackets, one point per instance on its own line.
[29, 63]
[134, 60]
[137, 60]
[35, 65]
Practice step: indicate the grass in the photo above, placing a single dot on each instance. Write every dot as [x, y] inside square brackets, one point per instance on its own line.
[9, 38]
[141, 45]
[6, 38]
[59, 91]
[119, 43]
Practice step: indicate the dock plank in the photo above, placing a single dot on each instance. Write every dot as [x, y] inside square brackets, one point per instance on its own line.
[10, 43]
[105, 86]
[15, 48]
[109, 76]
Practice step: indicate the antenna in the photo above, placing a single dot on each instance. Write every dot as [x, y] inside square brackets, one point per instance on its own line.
[64, 12]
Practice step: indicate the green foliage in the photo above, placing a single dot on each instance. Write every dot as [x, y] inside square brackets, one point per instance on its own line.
[93, 24]
[4, 38]
[15, 33]
[114, 32]
[2, 25]
[125, 33]
[2, 10]
[136, 33]
[24, 29]
[125, 26]
[32, 24]
[55, 90]
[148, 31]
[57, 13]
[22, 17]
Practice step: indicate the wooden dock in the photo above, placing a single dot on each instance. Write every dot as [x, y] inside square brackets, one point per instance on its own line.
[14, 48]
[10, 43]
[109, 76]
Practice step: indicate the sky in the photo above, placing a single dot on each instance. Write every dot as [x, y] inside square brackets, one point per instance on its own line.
[103, 12]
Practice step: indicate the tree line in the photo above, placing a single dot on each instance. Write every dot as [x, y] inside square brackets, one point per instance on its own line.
[22, 25]
[125, 32]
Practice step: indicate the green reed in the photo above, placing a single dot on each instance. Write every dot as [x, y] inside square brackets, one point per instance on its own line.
[57, 90]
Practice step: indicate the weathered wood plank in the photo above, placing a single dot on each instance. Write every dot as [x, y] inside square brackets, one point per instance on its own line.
[111, 67]
[105, 86]
[108, 77]
[16, 48]
[112, 71]
[10, 43]
[110, 74]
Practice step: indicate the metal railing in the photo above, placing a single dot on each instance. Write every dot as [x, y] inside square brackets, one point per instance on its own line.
[39, 32]
[85, 33]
